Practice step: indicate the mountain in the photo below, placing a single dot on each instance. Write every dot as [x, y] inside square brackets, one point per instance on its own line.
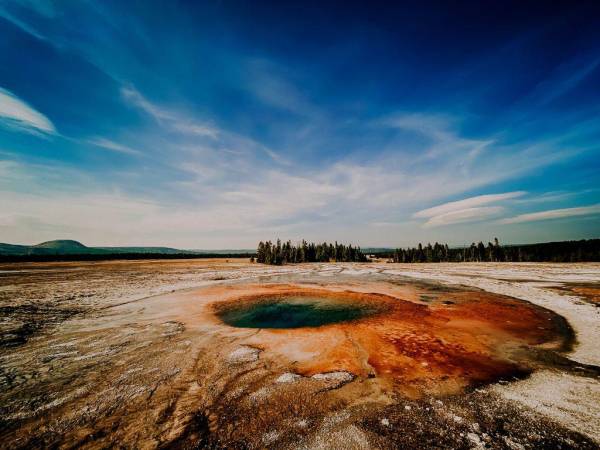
[61, 246]
[11, 249]
[58, 247]
[71, 247]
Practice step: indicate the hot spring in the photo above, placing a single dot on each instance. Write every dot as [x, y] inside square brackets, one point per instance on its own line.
[293, 311]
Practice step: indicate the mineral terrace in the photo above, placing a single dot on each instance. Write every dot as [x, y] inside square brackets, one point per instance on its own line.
[229, 354]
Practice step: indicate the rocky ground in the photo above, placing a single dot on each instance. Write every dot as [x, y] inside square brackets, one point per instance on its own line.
[131, 354]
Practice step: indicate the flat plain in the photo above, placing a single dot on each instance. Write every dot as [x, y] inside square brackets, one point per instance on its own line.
[144, 354]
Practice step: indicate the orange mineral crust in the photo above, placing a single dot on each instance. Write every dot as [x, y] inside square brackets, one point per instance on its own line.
[457, 340]
[587, 292]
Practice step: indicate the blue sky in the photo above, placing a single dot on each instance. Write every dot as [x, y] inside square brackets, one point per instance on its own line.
[216, 124]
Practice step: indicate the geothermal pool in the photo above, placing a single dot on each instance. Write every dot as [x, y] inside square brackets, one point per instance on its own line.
[294, 311]
[417, 340]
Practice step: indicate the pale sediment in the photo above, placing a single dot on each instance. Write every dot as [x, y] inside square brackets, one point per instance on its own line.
[569, 399]
[133, 354]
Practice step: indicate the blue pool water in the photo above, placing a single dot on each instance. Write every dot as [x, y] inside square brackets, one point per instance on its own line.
[293, 312]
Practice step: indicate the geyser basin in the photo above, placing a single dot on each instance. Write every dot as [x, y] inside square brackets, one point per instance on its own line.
[293, 311]
[455, 339]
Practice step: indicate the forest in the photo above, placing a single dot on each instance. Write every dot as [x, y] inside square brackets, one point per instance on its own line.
[567, 251]
[283, 253]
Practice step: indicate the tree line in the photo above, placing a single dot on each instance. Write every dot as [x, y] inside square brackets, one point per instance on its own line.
[567, 251]
[283, 253]
[443, 253]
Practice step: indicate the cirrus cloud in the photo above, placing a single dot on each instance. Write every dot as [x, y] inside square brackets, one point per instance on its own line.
[470, 209]
[18, 115]
[470, 202]
[554, 214]
[463, 216]
[175, 121]
[114, 146]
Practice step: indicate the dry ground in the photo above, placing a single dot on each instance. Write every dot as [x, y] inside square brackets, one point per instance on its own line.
[131, 354]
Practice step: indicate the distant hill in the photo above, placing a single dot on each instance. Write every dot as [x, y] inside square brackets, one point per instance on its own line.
[62, 244]
[70, 249]
[11, 249]
[58, 247]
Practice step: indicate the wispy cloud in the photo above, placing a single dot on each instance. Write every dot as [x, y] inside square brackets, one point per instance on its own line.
[114, 146]
[195, 128]
[467, 203]
[174, 120]
[135, 98]
[27, 28]
[554, 214]
[463, 216]
[565, 78]
[219, 141]
[18, 115]
[552, 196]
[7, 169]
[269, 85]
[440, 132]
[277, 157]
[215, 189]
[437, 127]
[467, 210]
